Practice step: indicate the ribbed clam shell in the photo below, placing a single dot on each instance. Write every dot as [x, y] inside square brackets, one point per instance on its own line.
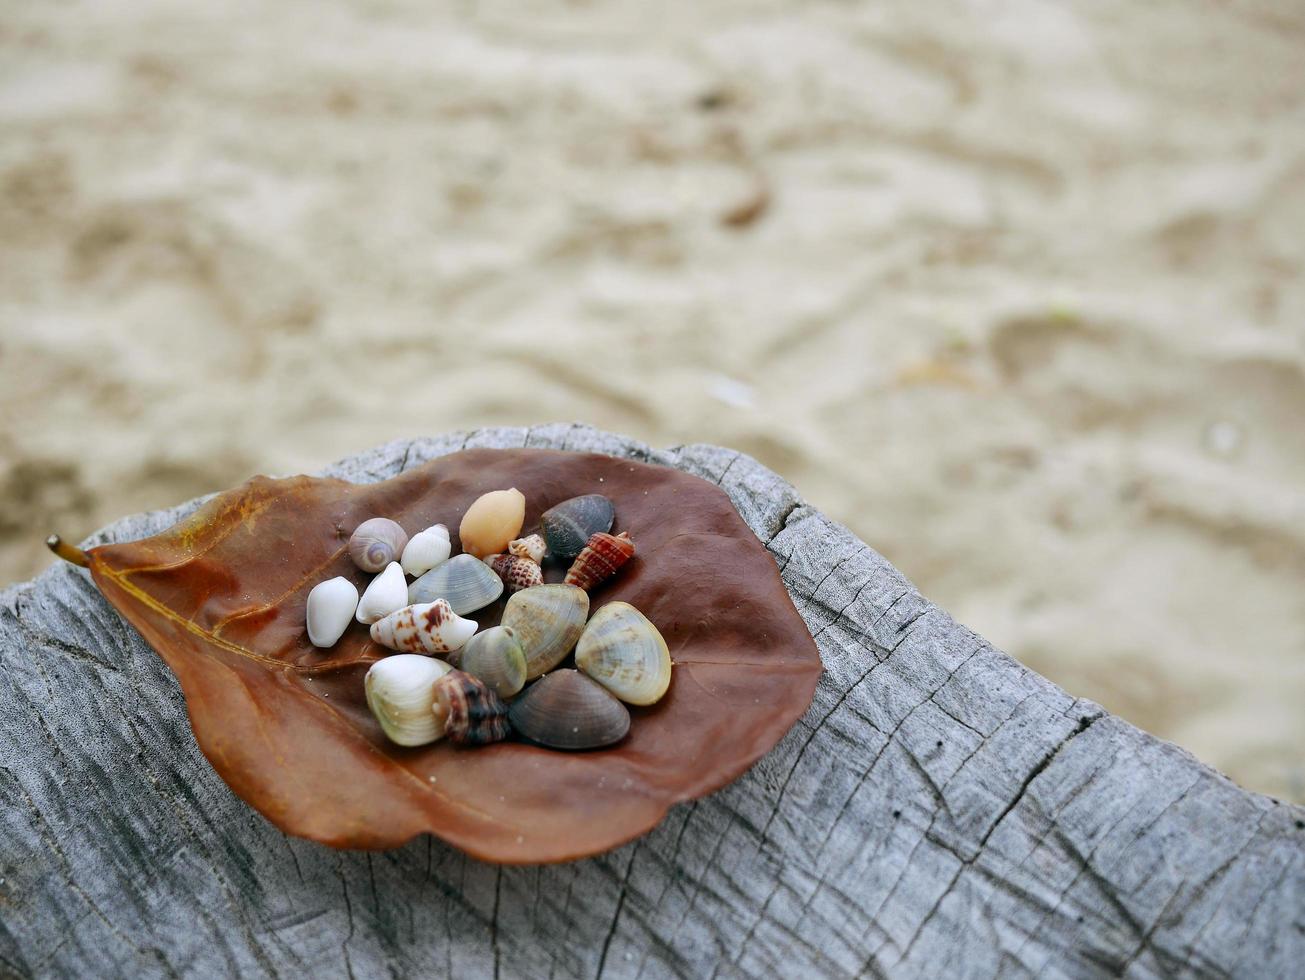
[400, 693]
[600, 559]
[623, 651]
[375, 543]
[566, 710]
[331, 606]
[494, 656]
[547, 620]
[425, 627]
[532, 546]
[470, 713]
[387, 593]
[464, 580]
[568, 525]
[516, 572]
[492, 521]
[425, 550]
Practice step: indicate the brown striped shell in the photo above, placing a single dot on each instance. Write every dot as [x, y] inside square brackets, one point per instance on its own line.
[600, 559]
[516, 572]
[471, 713]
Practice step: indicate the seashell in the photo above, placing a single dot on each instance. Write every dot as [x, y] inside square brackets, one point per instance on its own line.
[547, 620]
[568, 525]
[468, 711]
[465, 581]
[600, 559]
[494, 656]
[623, 651]
[517, 573]
[493, 519]
[376, 543]
[567, 710]
[425, 550]
[425, 627]
[331, 606]
[387, 593]
[532, 546]
[401, 694]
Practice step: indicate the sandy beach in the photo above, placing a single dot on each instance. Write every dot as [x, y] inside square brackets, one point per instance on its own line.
[1014, 291]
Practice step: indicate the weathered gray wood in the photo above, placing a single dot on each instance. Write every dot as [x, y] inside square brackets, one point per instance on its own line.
[939, 811]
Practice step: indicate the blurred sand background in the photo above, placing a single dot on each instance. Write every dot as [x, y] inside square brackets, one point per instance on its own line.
[1013, 289]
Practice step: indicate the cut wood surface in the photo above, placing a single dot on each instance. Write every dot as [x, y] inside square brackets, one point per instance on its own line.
[940, 811]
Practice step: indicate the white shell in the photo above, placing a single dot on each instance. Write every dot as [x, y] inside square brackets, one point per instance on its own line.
[400, 693]
[465, 581]
[387, 593]
[532, 546]
[425, 550]
[425, 627]
[331, 605]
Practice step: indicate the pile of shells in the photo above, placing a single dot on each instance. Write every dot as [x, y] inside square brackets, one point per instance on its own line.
[509, 678]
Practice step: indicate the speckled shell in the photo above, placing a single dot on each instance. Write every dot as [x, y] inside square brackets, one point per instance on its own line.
[623, 651]
[601, 558]
[492, 521]
[465, 581]
[566, 710]
[494, 656]
[376, 542]
[426, 627]
[469, 712]
[400, 693]
[547, 620]
[517, 573]
[532, 546]
[568, 525]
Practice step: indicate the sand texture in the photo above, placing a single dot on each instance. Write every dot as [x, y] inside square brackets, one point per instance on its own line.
[1012, 290]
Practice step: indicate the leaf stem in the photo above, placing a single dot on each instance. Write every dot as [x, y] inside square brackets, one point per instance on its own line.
[66, 551]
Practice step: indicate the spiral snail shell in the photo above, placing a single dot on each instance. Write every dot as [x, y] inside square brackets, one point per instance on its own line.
[425, 550]
[426, 627]
[600, 559]
[532, 547]
[468, 711]
[516, 572]
[375, 543]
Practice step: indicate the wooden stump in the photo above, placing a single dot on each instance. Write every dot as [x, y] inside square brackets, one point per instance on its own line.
[940, 811]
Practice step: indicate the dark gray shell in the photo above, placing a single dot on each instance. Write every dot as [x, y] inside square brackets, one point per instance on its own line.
[568, 525]
[566, 710]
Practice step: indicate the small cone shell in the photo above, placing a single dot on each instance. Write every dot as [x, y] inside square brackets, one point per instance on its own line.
[387, 593]
[532, 547]
[601, 558]
[331, 606]
[492, 521]
[517, 573]
[427, 627]
[623, 651]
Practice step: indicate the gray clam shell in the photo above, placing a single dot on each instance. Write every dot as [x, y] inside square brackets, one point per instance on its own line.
[547, 621]
[567, 525]
[566, 710]
[494, 657]
[465, 582]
